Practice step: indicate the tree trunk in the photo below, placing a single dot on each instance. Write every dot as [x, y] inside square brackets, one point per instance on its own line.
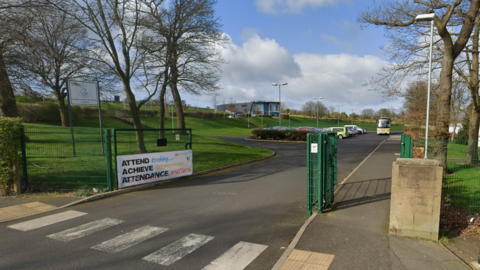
[8, 105]
[176, 96]
[63, 111]
[443, 108]
[473, 130]
[474, 113]
[137, 124]
[162, 111]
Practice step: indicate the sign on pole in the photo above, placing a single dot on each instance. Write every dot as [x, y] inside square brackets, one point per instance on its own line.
[83, 93]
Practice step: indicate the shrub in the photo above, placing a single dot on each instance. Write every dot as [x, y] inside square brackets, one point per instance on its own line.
[123, 113]
[9, 148]
[271, 134]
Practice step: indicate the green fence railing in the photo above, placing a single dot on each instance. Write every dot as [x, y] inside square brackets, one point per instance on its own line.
[321, 170]
[67, 159]
[53, 161]
[461, 179]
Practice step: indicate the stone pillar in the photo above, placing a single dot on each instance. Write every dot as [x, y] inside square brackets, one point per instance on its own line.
[416, 197]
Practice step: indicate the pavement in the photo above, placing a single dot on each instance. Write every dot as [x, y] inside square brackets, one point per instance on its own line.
[353, 234]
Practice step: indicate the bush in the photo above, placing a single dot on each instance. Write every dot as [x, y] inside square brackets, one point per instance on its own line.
[271, 134]
[204, 115]
[9, 149]
[49, 112]
[125, 113]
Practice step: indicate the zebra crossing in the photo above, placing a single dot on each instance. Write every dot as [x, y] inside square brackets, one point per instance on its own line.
[237, 257]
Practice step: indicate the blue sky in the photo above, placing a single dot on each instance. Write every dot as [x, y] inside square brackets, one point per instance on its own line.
[316, 46]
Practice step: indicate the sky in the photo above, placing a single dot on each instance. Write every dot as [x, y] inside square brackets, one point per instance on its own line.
[316, 46]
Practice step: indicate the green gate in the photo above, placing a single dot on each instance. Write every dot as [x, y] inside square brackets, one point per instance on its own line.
[321, 170]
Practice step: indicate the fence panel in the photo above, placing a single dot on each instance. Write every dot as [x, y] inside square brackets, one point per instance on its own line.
[461, 179]
[64, 159]
[321, 170]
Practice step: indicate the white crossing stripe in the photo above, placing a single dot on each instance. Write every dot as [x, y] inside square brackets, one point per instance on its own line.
[85, 229]
[130, 239]
[45, 221]
[178, 249]
[237, 257]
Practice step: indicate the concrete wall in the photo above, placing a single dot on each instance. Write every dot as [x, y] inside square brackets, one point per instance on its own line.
[416, 196]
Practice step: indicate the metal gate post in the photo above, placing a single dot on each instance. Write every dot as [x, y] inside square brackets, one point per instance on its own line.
[309, 177]
[24, 158]
[108, 152]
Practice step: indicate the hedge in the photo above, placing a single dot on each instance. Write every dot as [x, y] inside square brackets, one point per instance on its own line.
[49, 112]
[272, 134]
[125, 113]
[9, 148]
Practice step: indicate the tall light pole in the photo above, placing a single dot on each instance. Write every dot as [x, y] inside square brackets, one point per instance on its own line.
[352, 115]
[338, 115]
[279, 102]
[317, 98]
[425, 18]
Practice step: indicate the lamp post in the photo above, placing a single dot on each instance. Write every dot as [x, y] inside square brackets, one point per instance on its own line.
[338, 114]
[425, 18]
[279, 102]
[317, 98]
[352, 115]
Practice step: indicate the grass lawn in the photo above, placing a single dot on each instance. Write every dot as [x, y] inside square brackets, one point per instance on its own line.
[461, 184]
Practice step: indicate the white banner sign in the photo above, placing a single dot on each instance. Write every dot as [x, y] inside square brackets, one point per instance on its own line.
[83, 93]
[140, 169]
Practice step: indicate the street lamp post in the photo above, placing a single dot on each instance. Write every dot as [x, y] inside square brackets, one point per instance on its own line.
[352, 115]
[317, 98]
[338, 114]
[425, 18]
[279, 102]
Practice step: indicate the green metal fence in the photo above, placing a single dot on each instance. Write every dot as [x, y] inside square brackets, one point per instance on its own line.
[61, 159]
[461, 179]
[66, 159]
[321, 170]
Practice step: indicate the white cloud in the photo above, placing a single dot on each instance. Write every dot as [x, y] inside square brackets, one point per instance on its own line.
[339, 78]
[290, 6]
[258, 60]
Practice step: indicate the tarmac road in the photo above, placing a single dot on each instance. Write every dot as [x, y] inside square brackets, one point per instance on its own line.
[258, 207]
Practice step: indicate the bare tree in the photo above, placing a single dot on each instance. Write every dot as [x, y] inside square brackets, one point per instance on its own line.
[114, 29]
[468, 70]
[188, 41]
[52, 48]
[399, 14]
[368, 113]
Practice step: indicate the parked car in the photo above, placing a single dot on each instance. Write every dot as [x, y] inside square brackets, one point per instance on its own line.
[351, 131]
[341, 132]
[357, 129]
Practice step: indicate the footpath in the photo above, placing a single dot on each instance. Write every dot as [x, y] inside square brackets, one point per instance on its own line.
[354, 233]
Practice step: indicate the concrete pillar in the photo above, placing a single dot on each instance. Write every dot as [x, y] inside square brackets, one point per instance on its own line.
[416, 197]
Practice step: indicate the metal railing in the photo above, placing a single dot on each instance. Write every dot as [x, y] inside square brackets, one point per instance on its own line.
[67, 159]
[461, 180]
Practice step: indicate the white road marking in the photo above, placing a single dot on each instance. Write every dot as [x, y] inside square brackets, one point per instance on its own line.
[178, 249]
[237, 257]
[85, 229]
[45, 221]
[130, 239]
